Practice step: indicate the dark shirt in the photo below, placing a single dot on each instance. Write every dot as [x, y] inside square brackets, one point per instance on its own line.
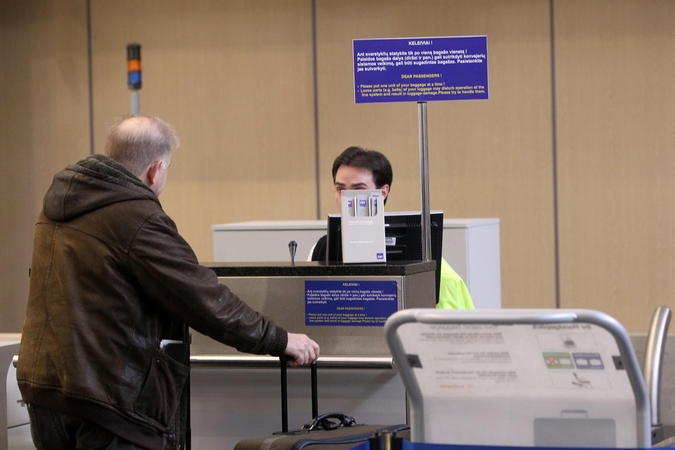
[319, 253]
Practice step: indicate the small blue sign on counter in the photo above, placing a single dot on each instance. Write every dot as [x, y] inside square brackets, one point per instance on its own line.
[349, 303]
[420, 69]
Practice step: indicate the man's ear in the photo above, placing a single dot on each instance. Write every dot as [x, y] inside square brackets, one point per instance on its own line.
[385, 190]
[153, 170]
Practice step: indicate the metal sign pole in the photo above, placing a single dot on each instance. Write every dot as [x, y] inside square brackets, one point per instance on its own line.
[135, 102]
[134, 76]
[424, 182]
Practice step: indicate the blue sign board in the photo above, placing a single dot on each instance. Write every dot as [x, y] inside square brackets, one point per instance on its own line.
[420, 69]
[349, 303]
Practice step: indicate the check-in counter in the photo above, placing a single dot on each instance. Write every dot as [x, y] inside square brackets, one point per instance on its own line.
[237, 396]
[340, 306]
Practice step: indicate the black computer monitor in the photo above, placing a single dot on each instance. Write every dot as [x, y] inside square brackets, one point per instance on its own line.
[403, 236]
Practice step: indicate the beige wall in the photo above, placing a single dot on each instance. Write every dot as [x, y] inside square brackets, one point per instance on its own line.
[615, 62]
[44, 125]
[592, 148]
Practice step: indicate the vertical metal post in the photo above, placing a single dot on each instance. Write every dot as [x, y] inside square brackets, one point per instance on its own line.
[187, 339]
[90, 78]
[424, 182]
[653, 366]
[135, 102]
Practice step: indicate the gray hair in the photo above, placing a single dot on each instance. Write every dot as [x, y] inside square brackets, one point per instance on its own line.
[137, 141]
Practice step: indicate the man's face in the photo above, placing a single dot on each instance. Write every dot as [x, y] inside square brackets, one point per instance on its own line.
[355, 178]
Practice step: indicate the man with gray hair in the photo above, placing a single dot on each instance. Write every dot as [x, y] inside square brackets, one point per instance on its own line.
[102, 362]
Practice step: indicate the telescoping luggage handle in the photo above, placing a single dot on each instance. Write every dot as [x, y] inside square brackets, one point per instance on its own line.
[284, 393]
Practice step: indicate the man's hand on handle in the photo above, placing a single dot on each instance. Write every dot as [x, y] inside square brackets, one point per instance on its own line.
[301, 350]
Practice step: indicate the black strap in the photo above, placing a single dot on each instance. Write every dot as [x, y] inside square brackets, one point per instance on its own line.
[329, 421]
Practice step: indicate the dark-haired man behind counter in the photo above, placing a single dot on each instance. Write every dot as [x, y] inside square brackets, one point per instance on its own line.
[358, 169]
[101, 363]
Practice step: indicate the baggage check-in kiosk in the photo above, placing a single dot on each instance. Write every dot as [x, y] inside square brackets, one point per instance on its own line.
[236, 396]
[525, 378]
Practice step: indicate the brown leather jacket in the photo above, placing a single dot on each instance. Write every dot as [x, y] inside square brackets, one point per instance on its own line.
[110, 279]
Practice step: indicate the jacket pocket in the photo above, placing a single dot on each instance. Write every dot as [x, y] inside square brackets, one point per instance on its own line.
[161, 393]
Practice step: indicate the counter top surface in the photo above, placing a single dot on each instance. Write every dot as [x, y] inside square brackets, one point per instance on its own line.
[307, 269]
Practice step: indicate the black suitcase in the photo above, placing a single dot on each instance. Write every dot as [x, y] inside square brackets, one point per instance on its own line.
[334, 431]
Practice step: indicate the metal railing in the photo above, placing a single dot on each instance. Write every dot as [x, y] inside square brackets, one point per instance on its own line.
[656, 343]
[332, 362]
